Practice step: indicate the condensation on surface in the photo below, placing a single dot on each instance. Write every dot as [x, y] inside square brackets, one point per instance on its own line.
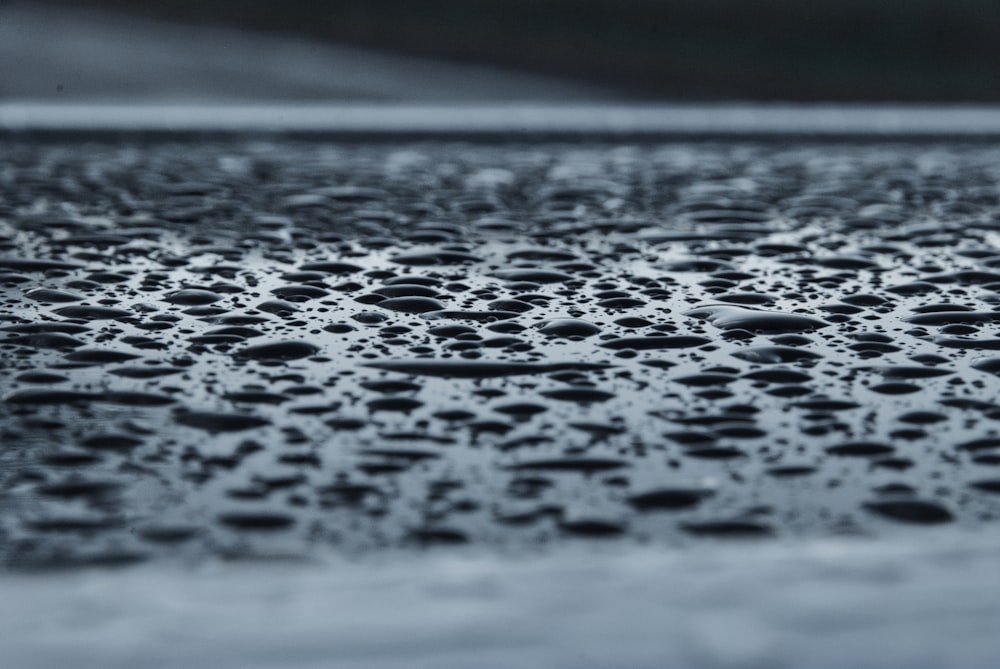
[273, 349]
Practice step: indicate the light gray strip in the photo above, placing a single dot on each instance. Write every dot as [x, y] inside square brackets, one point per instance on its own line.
[926, 602]
[514, 120]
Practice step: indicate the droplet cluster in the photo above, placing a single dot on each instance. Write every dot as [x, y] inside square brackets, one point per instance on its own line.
[268, 348]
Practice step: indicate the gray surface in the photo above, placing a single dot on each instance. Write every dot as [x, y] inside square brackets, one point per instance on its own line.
[508, 119]
[68, 55]
[923, 604]
[808, 224]
[749, 345]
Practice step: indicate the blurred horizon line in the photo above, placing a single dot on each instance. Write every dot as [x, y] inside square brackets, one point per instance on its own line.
[506, 120]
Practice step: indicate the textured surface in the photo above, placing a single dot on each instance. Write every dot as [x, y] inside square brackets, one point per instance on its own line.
[255, 349]
[595, 366]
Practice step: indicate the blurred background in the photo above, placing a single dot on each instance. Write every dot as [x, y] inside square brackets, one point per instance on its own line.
[654, 50]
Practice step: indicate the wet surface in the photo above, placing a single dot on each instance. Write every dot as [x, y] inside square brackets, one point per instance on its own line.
[273, 349]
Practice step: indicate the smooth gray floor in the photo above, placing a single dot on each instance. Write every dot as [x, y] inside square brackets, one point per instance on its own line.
[822, 605]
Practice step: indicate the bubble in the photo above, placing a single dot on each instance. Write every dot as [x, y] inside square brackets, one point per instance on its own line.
[219, 422]
[265, 522]
[910, 511]
[727, 528]
[656, 342]
[280, 350]
[478, 369]
[52, 296]
[669, 499]
[92, 313]
[579, 464]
